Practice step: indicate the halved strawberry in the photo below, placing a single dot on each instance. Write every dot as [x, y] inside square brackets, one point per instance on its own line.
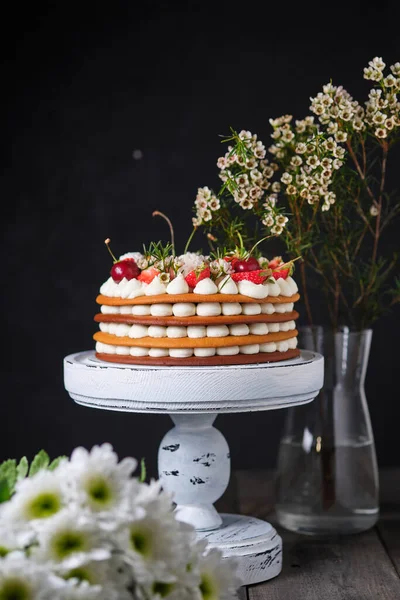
[193, 278]
[275, 262]
[258, 276]
[147, 275]
[280, 273]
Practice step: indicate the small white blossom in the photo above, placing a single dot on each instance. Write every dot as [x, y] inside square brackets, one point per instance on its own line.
[381, 132]
[374, 210]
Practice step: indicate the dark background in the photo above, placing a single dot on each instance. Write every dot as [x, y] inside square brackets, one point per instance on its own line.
[84, 86]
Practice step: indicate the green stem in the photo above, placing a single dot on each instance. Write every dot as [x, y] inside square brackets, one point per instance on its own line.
[189, 240]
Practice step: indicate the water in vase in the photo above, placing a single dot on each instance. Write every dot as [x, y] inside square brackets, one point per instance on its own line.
[330, 491]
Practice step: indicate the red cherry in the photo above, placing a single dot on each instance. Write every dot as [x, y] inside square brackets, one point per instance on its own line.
[126, 268]
[247, 264]
[122, 268]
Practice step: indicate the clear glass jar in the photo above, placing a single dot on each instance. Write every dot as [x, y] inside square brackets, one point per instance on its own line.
[327, 476]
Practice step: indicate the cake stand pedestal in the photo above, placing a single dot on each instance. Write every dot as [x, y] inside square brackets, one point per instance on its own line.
[194, 458]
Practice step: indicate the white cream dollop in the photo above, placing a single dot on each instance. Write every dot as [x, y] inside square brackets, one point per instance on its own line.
[123, 350]
[181, 352]
[228, 350]
[217, 331]
[249, 349]
[253, 290]
[206, 286]
[173, 331]
[252, 308]
[158, 352]
[184, 309]
[273, 288]
[267, 308]
[231, 308]
[258, 328]
[155, 287]
[287, 286]
[204, 351]
[208, 309]
[138, 331]
[239, 329]
[227, 286]
[140, 309]
[196, 331]
[109, 310]
[161, 310]
[268, 347]
[157, 331]
[138, 351]
[124, 289]
[178, 285]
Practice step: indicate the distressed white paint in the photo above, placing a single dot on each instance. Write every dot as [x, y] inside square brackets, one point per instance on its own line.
[193, 396]
[194, 465]
[234, 388]
[254, 543]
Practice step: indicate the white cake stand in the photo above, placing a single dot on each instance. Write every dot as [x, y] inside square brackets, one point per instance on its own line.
[194, 458]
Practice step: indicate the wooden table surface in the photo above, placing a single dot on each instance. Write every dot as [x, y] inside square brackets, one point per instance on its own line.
[355, 567]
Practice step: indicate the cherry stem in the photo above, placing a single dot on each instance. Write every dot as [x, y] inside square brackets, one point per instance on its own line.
[107, 241]
[171, 229]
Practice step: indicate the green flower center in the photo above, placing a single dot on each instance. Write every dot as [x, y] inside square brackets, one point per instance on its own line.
[208, 589]
[80, 573]
[68, 542]
[3, 551]
[15, 589]
[43, 506]
[141, 542]
[162, 589]
[100, 492]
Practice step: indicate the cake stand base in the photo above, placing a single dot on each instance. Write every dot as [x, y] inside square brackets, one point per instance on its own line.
[194, 457]
[254, 544]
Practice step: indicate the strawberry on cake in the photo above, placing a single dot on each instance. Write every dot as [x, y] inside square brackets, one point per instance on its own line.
[158, 308]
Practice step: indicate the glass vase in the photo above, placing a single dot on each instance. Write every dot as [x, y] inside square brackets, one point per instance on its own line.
[327, 476]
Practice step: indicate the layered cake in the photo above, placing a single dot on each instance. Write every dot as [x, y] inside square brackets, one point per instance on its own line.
[157, 308]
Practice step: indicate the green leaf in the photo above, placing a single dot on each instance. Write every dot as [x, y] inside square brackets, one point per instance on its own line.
[8, 473]
[54, 463]
[22, 468]
[40, 461]
[143, 471]
[5, 493]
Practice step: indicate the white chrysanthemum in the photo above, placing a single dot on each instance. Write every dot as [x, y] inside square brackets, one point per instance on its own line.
[98, 480]
[94, 572]
[154, 544]
[38, 497]
[82, 590]
[70, 540]
[218, 577]
[23, 579]
[14, 536]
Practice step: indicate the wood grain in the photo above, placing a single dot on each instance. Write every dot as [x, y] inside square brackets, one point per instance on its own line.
[348, 568]
[355, 567]
[389, 524]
